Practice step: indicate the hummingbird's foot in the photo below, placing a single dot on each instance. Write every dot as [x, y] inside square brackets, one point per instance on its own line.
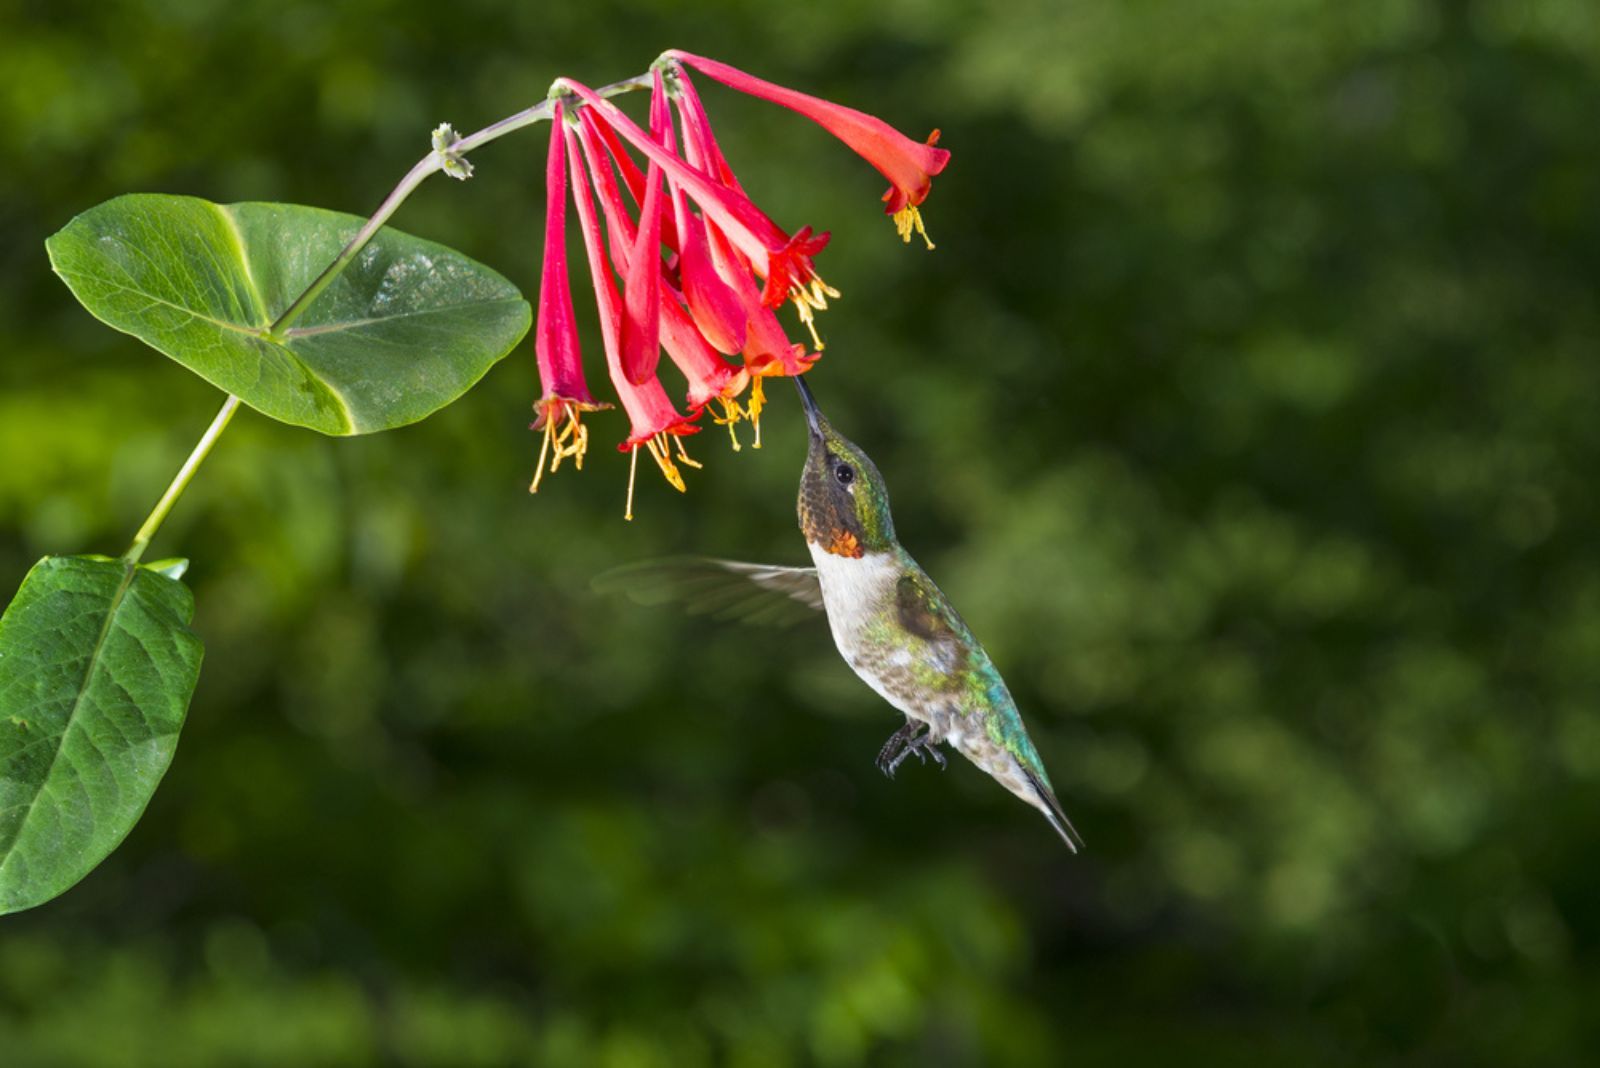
[909, 749]
[895, 749]
[907, 742]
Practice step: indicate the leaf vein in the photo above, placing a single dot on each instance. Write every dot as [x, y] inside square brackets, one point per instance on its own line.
[83, 689]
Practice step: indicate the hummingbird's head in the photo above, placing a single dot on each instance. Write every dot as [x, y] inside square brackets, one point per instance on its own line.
[844, 506]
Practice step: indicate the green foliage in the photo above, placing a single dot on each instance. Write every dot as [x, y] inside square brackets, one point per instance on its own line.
[406, 329]
[97, 681]
[98, 668]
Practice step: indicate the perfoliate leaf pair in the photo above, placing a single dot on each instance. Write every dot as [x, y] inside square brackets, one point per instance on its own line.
[97, 662]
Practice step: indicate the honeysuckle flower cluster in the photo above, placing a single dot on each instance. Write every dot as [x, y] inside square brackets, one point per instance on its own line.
[702, 269]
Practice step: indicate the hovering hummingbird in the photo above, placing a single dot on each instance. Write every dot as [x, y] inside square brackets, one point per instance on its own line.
[892, 625]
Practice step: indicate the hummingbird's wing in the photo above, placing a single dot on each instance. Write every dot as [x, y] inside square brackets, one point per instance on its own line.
[725, 589]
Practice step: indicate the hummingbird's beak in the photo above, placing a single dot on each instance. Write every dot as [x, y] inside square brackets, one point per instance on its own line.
[813, 413]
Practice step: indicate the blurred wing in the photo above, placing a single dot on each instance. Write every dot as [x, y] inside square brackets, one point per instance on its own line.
[724, 589]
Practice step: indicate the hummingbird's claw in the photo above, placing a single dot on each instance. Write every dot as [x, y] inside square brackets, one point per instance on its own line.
[910, 749]
[905, 742]
[893, 750]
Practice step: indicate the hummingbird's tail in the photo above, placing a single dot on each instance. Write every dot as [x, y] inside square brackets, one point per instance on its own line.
[1052, 812]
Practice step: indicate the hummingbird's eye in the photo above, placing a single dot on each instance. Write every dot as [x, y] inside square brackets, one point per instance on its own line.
[845, 474]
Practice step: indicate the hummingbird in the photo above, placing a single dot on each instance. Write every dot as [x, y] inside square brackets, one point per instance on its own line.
[892, 625]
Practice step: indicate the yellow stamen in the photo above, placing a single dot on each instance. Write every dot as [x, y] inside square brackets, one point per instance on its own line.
[564, 436]
[544, 450]
[809, 297]
[758, 400]
[633, 470]
[820, 292]
[908, 219]
[662, 455]
[683, 454]
[571, 440]
[810, 323]
[731, 414]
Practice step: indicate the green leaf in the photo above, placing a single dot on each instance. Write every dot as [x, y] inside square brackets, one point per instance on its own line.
[407, 328]
[97, 665]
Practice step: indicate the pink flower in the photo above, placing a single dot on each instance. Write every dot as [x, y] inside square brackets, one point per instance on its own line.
[654, 421]
[712, 303]
[632, 176]
[700, 144]
[793, 274]
[908, 164]
[710, 378]
[641, 270]
[566, 394]
[701, 268]
[767, 349]
[784, 261]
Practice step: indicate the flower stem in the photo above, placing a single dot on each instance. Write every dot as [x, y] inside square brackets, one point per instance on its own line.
[180, 482]
[432, 162]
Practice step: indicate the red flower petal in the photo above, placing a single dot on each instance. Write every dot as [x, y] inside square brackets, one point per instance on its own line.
[709, 375]
[757, 236]
[641, 323]
[790, 268]
[700, 144]
[767, 349]
[649, 411]
[555, 342]
[908, 164]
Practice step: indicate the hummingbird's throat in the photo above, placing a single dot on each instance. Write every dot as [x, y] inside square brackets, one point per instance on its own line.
[844, 543]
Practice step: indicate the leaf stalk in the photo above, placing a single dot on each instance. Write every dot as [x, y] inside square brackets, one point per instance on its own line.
[434, 161]
[180, 482]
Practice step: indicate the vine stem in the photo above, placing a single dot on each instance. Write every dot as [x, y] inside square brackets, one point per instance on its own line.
[180, 482]
[431, 163]
[434, 161]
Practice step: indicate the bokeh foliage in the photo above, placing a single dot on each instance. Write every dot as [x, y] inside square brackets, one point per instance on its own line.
[1246, 410]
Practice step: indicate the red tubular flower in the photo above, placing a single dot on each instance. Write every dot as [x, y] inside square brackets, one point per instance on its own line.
[621, 231]
[700, 266]
[641, 325]
[712, 303]
[710, 378]
[908, 165]
[784, 261]
[700, 144]
[652, 417]
[632, 176]
[565, 393]
[793, 275]
[767, 349]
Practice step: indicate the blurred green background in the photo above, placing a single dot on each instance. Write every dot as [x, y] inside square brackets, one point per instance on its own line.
[1248, 411]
